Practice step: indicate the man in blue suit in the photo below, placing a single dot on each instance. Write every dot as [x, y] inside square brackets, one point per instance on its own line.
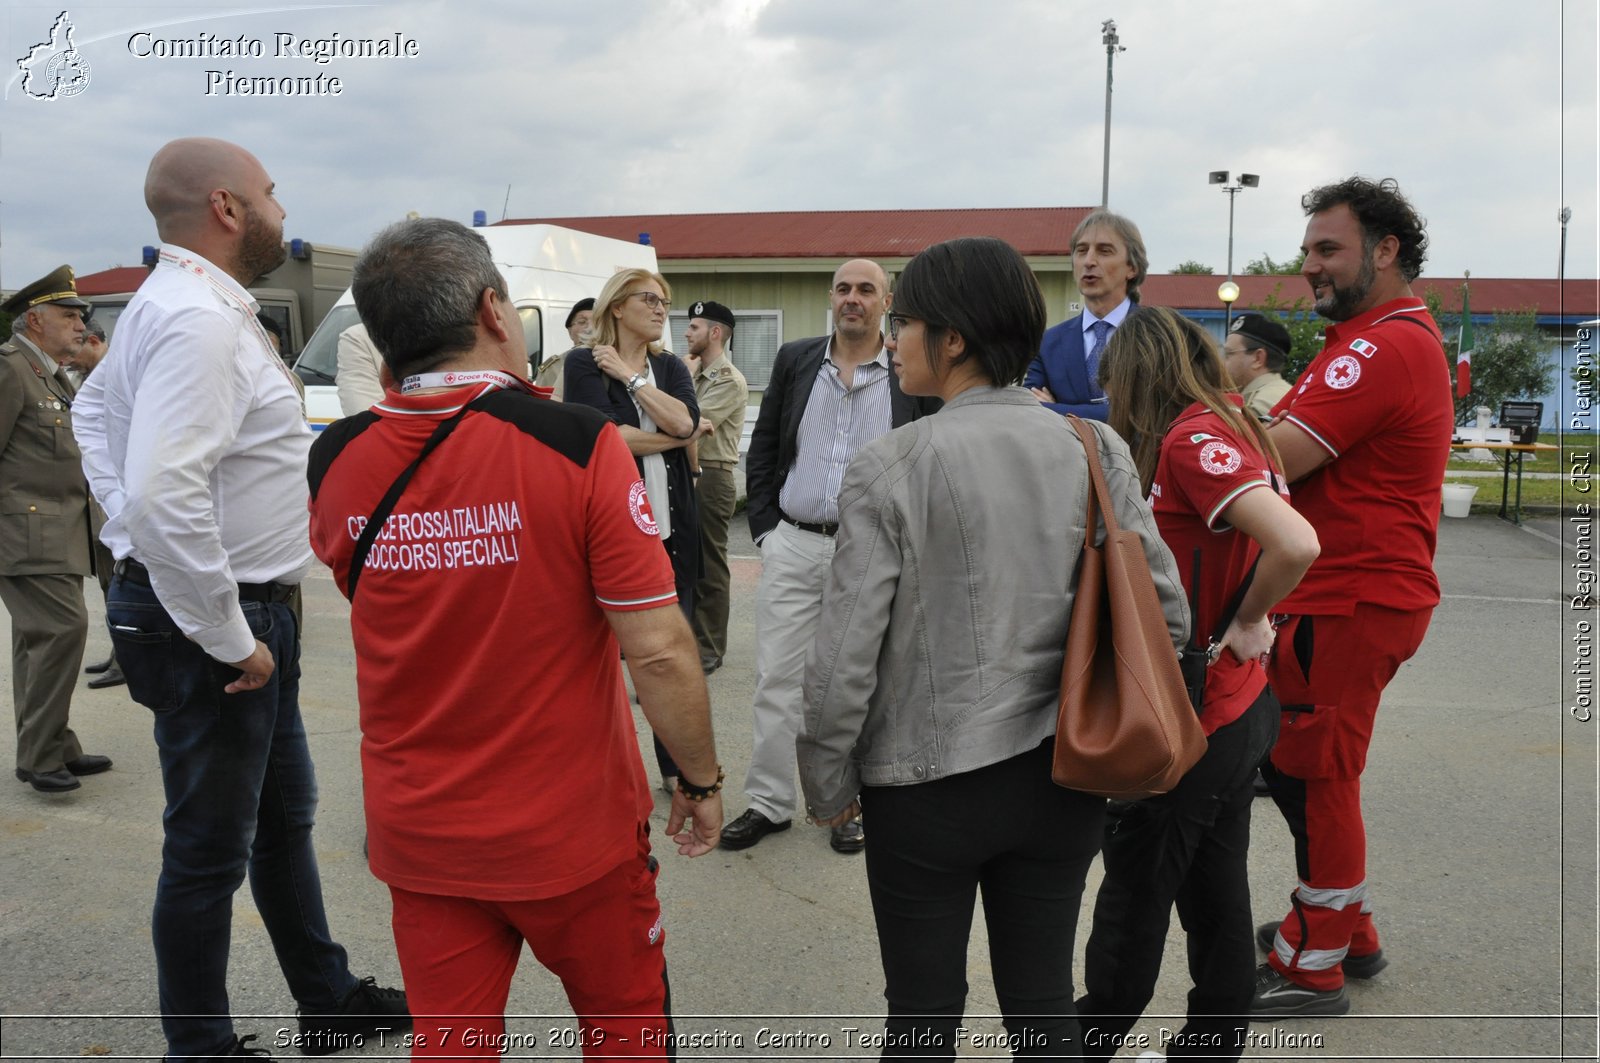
[1109, 263]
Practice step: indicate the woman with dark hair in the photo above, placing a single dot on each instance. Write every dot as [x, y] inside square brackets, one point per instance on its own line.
[931, 692]
[650, 397]
[1216, 486]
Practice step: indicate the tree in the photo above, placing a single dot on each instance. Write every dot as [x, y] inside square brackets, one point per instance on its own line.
[1191, 266]
[1305, 328]
[1265, 266]
[1508, 358]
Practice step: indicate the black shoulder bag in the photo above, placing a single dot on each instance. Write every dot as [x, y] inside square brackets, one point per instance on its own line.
[369, 534]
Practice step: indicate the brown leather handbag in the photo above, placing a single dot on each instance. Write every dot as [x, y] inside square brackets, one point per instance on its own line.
[1125, 727]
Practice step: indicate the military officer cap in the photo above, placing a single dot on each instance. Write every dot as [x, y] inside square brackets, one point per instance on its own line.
[60, 287]
[1259, 330]
[712, 312]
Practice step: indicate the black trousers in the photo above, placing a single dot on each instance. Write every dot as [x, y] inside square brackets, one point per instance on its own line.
[1009, 831]
[1188, 847]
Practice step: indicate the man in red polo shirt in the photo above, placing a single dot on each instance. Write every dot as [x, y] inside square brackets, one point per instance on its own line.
[1364, 436]
[505, 798]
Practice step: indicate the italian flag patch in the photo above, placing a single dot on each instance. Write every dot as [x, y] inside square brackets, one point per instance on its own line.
[1363, 348]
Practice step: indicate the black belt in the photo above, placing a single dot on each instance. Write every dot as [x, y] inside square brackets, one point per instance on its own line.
[829, 529]
[134, 572]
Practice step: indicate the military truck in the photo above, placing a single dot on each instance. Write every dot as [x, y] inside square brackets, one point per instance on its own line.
[297, 295]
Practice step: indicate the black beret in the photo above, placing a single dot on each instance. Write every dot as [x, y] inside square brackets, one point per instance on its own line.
[1262, 331]
[577, 308]
[712, 312]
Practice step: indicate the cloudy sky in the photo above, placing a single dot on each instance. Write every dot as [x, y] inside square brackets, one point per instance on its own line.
[1485, 112]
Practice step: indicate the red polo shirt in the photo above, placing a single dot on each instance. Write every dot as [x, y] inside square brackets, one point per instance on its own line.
[1204, 466]
[1378, 399]
[497, 744]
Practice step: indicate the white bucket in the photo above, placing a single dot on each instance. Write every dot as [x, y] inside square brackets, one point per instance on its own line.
[1458, 499]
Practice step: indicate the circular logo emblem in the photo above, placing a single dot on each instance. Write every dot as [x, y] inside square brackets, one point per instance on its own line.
[639, 506]
[66, 74]
[449, 378]
[1342, 372]
[1218, 458]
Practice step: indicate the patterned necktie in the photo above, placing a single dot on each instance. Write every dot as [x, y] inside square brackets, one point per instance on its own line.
[1101, 330]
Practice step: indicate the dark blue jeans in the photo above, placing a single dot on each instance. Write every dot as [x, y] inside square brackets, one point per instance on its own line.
[241, 795]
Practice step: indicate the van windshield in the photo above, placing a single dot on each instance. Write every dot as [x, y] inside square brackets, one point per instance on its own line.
[319, 362]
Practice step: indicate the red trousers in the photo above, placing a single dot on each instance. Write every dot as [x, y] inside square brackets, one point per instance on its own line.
[1329, 673]
[602, 940]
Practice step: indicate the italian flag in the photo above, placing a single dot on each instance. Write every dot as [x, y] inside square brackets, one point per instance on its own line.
[1464, 347]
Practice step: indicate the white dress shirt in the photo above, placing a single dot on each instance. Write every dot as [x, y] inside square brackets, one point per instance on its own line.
[1115, 318]
[837, 422]
[194, 442]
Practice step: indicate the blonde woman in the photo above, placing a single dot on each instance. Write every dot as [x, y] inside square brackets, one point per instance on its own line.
[650, 397]
[1216, 488]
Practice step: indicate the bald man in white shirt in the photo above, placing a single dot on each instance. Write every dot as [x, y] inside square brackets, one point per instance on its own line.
[194, 443]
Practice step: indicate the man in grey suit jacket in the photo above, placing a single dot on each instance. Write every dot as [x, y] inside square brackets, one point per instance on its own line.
[828, 397]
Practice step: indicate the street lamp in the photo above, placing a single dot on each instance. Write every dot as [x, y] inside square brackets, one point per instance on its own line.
[1228, 291]
[1246, 180]
[1108, 37]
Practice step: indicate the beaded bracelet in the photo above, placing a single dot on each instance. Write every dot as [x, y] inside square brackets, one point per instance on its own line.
[700, 793]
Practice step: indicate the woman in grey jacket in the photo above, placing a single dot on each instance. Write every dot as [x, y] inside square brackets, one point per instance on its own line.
[931, 692]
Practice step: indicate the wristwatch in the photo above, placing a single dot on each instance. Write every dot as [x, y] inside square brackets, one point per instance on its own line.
[637, 381]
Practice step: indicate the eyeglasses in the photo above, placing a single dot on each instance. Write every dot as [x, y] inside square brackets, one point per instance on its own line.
[652, 300]
[895, 323]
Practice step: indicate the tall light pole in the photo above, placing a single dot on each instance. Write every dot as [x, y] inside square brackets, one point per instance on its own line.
[1229, 291]
[1563, 216]
[1108, 36]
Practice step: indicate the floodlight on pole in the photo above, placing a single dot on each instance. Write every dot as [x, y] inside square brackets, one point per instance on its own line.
[1246, 180]
[1108, 36]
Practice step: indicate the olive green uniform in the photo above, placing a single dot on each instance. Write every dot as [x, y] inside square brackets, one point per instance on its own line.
[45, 539]
[723, 394]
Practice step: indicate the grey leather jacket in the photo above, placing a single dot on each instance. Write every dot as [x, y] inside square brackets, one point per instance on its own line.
[943, 624]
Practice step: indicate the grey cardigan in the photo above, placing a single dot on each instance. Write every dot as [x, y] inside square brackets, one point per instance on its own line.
[940, 643]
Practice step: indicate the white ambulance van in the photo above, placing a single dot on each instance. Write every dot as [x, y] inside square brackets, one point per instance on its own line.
[547, 269]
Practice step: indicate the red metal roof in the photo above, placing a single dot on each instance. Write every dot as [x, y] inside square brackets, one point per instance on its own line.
[112, 281]
[831, 234]
[1489, 294]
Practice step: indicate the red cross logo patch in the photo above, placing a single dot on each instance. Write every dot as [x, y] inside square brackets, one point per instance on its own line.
[639, 506]
[1219, 459]
[1342, 372]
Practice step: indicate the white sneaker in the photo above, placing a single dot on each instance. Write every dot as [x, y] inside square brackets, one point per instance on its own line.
[669, 784]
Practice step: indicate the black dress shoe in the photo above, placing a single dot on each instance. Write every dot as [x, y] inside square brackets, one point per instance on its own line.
[1259, 783]
[96, 669]
[50, 782]
[89, 764]
[848, 837]
[112, 677]
[748, 829]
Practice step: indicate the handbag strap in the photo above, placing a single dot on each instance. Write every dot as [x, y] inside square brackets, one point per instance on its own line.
[1099, 493]
[369, 534]
[1233, 603]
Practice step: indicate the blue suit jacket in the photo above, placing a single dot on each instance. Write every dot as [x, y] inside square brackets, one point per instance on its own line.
[1060, 367]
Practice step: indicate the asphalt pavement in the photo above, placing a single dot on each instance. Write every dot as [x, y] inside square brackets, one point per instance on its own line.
[1480, 797]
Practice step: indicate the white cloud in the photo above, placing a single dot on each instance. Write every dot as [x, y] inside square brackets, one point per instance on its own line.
[619, 106]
